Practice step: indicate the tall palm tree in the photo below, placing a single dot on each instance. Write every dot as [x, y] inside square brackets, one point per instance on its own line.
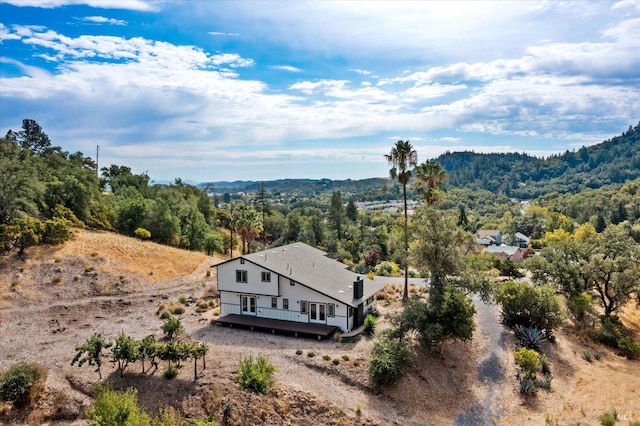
[403, 158]
[249, 227]
[430, 177]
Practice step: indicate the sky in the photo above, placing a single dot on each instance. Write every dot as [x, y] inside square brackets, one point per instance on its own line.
[262, 90]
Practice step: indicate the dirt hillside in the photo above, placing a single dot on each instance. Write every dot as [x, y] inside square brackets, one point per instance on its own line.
[56, 297]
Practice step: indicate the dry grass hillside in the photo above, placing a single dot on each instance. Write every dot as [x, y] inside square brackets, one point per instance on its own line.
[54, 298]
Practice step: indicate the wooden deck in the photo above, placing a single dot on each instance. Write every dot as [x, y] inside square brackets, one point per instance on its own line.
[320, 331]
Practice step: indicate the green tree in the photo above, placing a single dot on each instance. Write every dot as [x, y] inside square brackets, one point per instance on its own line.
[124, 351]
[30, 232]
[389, 359]
[614, 270]
[439, 251]
[352, 211]
[20, 190]
[172, 326]
[148, 349]
[336, 214]
[403, 158]
[263, 205]
[430, 177]
[91, 352]
[18, 385]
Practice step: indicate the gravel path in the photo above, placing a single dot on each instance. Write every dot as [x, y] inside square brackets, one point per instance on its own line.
[491, 368]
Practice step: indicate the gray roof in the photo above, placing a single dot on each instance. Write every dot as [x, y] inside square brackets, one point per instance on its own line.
[312, 268]
[508, 250]
[521, 236]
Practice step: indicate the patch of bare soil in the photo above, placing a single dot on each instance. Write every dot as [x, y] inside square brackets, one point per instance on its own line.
[109, 283]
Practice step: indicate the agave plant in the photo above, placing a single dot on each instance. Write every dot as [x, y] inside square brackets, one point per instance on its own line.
[530, 337]
[527, 386]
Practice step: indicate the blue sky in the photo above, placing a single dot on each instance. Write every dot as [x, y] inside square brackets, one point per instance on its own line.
[263, 90]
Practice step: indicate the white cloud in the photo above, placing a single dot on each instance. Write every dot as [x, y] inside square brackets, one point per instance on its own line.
[104, 20]
[218, 33]
[359, 71]
[139, 5]
[286, 68]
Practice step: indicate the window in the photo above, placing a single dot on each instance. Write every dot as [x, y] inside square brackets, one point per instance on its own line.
[350, 311]
[274, 303]
[331, 310]
[370, 300]
[241, 261]
[292, 282]
[266, 277]
[241, 276]
[285, 303]
[303, 306]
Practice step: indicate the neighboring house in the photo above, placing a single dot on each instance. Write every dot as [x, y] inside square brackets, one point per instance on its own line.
[297, 283]
[513, 253]
[488, 237]
[522, 240]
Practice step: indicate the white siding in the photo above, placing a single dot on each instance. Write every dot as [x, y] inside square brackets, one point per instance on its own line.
[230, 301]
[254, 284]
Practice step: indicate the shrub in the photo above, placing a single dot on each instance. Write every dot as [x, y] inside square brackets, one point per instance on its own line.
[299, 352]
[142, 234]
[545, 365]
[116, 408]
[182, 299]
[337, 337]
[527, 360]
[581, 308]
[389, 357]
[171, 372]
[256, 376]
[369, 324]
[336, 361]
[530, 337]
[588, 356]
[609, 417]
[527, 386]
[56, 280]
[544, 382]
[529, 306]
[311, 354]
[597, 355]
[56, 231]
[345, 357]
[629, 348]
[22, 383]
[356, 363]
[609, 331]
[172, 326]
[326, 357]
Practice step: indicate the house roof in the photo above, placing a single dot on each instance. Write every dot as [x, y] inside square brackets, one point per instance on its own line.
[312, 268]
[508, 250]
[488, 233]
[521, 236]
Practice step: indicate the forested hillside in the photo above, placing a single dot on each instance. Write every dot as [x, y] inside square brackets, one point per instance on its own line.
[525, 177]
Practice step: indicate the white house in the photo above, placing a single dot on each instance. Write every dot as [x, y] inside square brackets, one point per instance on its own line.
[295, 282]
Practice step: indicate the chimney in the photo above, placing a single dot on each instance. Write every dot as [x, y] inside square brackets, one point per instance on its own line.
[358, 288]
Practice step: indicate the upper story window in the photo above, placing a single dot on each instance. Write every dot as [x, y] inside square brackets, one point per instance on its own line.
[266, 277]
[241, 276]
[292, 282]
[241, 261]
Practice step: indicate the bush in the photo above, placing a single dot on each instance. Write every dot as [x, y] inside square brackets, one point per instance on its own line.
[345, 357]
[389, 357]
[369, 324]
[22, 383]
[256, 376]
[336, 361]
[527, 360]
[326, 357]
[311, 354]
[527, 386]
[182, 299]
[609, 331]
[530, 337]
[581, 308]
[629, 348]
[588, 356]
[299, 352]
[172, 326]
[529, 306]
[116, 408]
[142, 234]
[171, 372]
[609, 417]
[56, 231]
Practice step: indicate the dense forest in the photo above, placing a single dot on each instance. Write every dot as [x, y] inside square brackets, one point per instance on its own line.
[525, 177]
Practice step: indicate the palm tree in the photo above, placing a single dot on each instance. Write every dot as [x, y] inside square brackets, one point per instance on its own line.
[249, 227]
[430, 177]
[403, 158]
